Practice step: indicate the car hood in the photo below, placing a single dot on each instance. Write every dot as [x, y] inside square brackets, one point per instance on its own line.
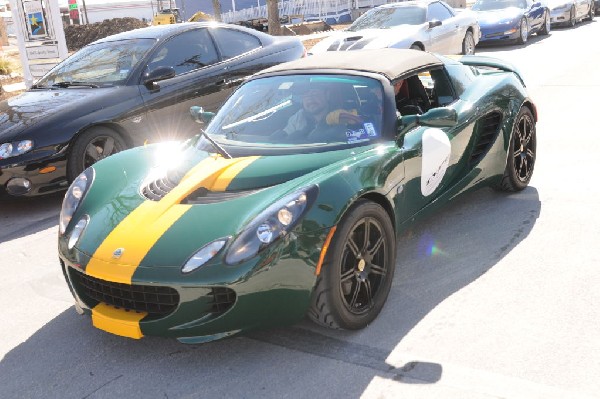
[367, 38]
[24, 111]
[215, 198]
[496, 17]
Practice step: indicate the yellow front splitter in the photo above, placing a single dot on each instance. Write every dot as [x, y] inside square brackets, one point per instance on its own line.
[118, 321]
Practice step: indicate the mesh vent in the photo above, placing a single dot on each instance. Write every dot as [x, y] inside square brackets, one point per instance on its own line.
[487, 131]
[155, 300]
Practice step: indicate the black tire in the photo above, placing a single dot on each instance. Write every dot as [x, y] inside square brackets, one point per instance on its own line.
[523, 32]
[356, 278]
[592, 12]
[572, 17]
[90, 147]
[415, 46]
[521, 153]
[468, 44]
[546, 28]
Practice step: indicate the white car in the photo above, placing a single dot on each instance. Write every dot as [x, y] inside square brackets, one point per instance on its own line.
[430, 25]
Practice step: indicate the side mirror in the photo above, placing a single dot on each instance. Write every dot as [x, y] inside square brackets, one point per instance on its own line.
[436, 117]
[433, 24]
[156, 75]
[200, 115]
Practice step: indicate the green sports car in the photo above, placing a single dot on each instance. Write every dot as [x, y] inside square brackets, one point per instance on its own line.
[289, 202]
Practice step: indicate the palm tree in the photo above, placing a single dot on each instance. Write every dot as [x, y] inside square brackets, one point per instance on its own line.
[273, 17]
[217, 8]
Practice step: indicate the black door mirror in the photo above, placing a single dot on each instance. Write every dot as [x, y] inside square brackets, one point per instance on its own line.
[433, 24]
[200, 115]
[436, 117]
[156, 75]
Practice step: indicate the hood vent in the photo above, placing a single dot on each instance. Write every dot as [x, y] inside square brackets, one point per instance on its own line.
[155, 190]
[204, 196]
[486, 132]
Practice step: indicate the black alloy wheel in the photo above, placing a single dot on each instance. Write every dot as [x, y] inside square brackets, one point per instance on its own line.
[92, 146]
[521, 153]
[357, 274]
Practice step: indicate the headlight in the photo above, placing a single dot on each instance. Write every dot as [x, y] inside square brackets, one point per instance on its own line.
[203, 255]
[73, 197]
[275, 222]
[8, 150]
[78, 231]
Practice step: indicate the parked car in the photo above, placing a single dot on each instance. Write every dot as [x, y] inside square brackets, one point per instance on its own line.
[511, 20]
[569, 12]
[123, 91]
[263, 219]
[430, 25]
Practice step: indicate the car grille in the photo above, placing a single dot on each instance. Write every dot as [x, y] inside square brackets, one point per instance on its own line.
[155, 300]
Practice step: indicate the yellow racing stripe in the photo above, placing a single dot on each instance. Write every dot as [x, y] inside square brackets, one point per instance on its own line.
[142, 228]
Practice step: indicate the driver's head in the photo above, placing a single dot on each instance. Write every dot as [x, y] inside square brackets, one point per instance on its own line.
[314, 100]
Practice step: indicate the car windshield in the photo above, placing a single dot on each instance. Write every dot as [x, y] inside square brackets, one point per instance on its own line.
[490, 5]
[107, 63]
[300, 111]
[388, 17]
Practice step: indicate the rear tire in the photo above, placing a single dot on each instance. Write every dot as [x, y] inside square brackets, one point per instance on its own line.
[90, 147]
[521, 153]
[358, 270]
[592, 12]
[415, 46]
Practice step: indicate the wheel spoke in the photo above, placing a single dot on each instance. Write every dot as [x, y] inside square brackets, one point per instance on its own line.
[353, 247]
[92, 151]
[109, 146]
[517, 153]
[347, 275]
[367, 234]
[354, 296]
[530, 154]
[376, 247]
[369, 293]
[376, 269]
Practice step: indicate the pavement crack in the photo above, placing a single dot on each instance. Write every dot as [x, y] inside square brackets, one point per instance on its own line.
[102, 386]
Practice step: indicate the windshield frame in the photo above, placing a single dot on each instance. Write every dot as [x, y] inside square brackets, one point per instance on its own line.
[139, 48]
[387, 129]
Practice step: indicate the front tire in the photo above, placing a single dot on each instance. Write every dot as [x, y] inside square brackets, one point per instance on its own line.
[358, 270]
[523, 32]
[572, 17]
[546, 28]
[592, 12]
[90, 147]
[468, 44]
[521, 153]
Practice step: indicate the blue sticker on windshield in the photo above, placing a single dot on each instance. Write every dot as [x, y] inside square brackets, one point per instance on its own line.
[366, 133]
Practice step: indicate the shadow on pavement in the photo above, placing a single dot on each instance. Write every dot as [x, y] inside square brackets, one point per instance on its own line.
[67, 357]
[20, 217]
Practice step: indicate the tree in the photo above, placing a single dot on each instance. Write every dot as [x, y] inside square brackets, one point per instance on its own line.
[273, 15]
[217, 8]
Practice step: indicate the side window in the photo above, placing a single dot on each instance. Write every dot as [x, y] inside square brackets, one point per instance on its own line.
[419, 93]
[185, 52]
[232, 43]
[437, 11]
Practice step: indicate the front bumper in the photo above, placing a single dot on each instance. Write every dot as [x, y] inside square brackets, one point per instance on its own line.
[38, 177]
[560, 16]
[213, 302]
[493, 35]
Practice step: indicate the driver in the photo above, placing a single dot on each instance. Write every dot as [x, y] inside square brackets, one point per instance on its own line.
[315, 115]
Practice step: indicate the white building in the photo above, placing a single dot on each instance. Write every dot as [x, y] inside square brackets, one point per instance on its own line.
[99, 10]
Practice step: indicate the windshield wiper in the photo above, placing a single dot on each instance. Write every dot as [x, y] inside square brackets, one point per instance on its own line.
[73, 83]
[217, 146]
[39, 86]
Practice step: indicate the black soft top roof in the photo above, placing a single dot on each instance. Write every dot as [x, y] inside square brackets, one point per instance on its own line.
[389, 62]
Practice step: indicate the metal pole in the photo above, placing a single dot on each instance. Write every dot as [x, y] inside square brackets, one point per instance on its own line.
[87, 20]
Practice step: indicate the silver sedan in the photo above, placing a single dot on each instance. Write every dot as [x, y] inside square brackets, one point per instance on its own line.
[430, 25]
